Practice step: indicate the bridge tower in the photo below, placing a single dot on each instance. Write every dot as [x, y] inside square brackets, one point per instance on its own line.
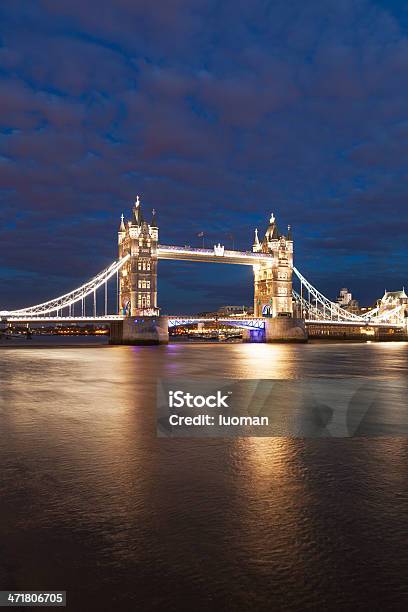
[273, 280]
[137, 283]
[138, 277]
[273, 287]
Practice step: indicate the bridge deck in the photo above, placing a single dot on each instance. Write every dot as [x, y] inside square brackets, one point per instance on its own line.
[215, 255]
[191, 320]
[49, 319]
[245, 322]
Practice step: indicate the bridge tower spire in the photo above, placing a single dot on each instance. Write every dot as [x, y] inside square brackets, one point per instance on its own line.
[256, 240]
[121, 230]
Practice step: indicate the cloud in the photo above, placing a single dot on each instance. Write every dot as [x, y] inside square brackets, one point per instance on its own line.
[218, 114]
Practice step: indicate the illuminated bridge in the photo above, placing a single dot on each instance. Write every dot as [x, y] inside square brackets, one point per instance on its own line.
[281, 292]
[83, 305]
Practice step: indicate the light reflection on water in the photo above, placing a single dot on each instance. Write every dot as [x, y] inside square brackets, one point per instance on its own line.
[93, 502]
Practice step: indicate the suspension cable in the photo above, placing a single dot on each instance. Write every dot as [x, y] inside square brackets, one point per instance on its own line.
[77, 295]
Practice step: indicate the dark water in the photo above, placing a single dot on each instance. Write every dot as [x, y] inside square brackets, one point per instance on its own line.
[93, 503]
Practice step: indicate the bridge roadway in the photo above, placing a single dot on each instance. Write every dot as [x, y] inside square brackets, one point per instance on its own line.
[216, 255]
[174, 321]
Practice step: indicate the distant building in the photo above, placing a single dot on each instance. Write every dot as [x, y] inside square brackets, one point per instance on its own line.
[353, 306]
[391, 300]
[346, 301]
[365, 309]
[233, 310]
[344, 297]
[227, 311]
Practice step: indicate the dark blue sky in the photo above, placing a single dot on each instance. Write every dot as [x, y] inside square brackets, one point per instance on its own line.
[217, 113]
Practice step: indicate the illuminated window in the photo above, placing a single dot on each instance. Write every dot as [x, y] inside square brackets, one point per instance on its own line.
[144, 284]
[144, 301]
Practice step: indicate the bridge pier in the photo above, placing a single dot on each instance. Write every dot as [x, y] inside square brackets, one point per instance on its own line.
[253, 335]
[278, 329]
[285, 329]
[141, 330]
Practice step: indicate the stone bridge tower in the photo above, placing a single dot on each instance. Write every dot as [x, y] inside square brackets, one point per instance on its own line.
[138, 277]
[273, 287]
[273, 280]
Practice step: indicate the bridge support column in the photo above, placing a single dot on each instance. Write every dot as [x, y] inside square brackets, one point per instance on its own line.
[140, 330]
[285, 329]
[253, 335]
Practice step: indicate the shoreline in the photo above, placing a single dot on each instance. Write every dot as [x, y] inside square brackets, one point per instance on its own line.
[88, 343]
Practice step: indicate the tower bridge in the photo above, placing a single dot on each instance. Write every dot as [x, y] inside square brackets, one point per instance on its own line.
[281, 312]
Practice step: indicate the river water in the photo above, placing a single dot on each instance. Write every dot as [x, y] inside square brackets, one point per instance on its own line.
[92, 502]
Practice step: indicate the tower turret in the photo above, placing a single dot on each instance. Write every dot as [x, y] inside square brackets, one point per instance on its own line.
[272, 231]
[137, 212]
[257, 245]
[121, 230]
[154, 219]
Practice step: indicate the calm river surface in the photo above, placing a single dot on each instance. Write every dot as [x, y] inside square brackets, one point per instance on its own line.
[92, 502]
